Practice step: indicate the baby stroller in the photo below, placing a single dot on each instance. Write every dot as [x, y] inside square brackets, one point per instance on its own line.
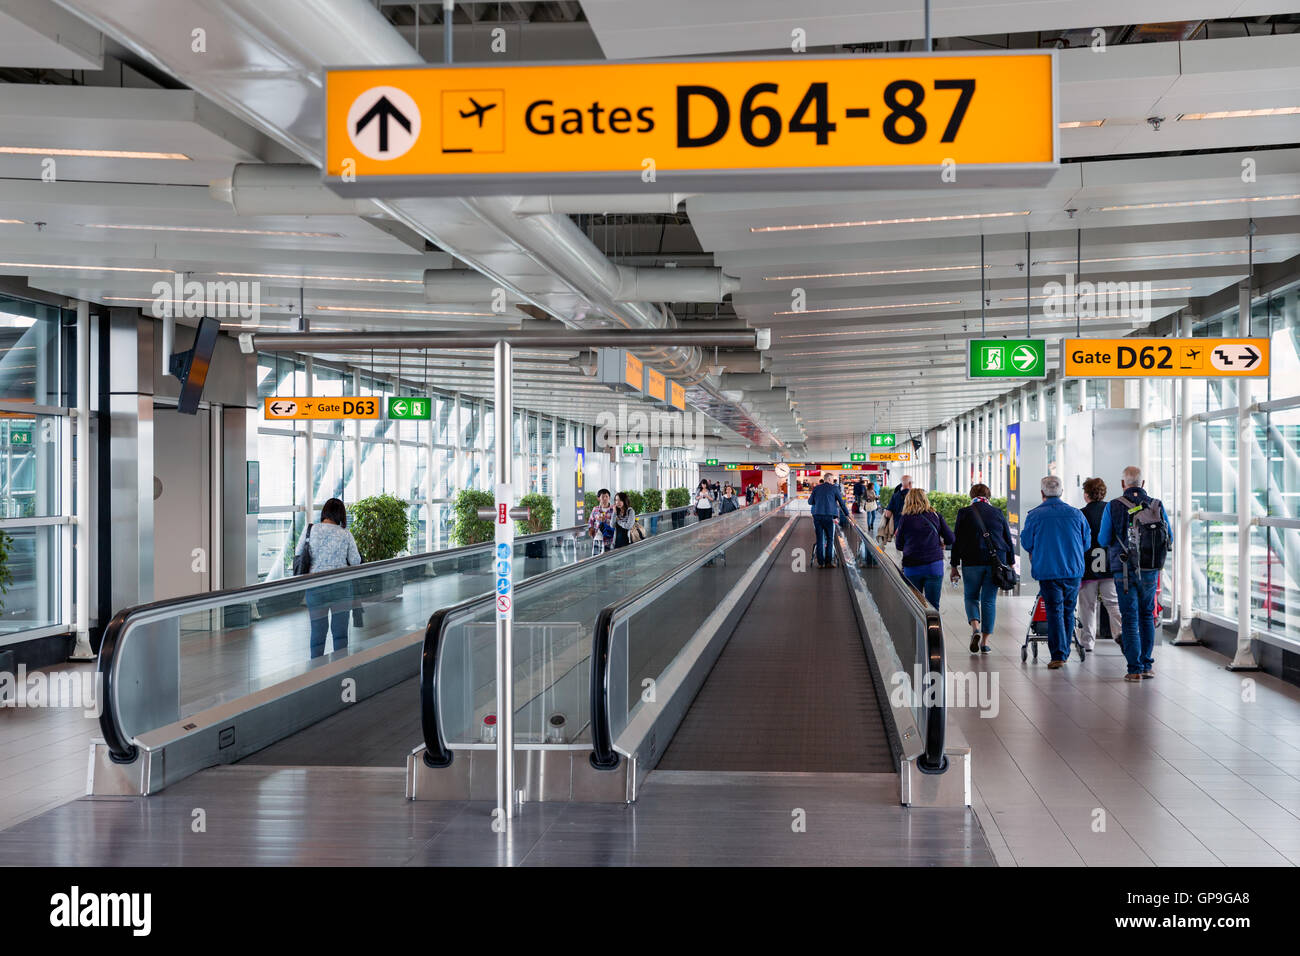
[1036, 633]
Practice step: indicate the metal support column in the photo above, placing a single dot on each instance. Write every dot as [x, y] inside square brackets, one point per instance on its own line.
[1245, 657]
[503, 399]
[82, 651]
[1183, 483]
[309, 448]
[216, 493]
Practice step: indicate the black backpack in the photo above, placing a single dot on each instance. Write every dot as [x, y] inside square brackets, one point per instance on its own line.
[1146, 539]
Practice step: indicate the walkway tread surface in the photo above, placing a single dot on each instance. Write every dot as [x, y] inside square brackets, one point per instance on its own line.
[792, 689]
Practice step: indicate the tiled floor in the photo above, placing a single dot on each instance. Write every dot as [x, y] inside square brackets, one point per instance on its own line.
[1200, 766]
[358, 816]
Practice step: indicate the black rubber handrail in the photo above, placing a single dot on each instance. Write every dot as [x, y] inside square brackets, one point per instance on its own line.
[934, 699]
[120, 748]
[436, 751]
[603, 754]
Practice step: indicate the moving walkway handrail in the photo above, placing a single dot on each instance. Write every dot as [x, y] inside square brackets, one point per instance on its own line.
[436, 752]
[603, 756]
[120, 747]
[933, 697]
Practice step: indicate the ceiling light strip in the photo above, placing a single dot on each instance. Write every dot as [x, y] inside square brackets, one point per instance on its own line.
[88, 153]
[887, 222]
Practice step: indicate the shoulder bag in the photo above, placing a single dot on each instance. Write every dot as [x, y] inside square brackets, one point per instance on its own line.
[302, 560]
[1004, 575]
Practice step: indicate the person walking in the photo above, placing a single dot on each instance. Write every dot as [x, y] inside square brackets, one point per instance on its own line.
[921, 536]
[1055, 536]
[1137, 537]
[624, 520]
[983, 538]
[328, 546]
[728, 502]
[870, 504]
[859, 493]
[899, 498]
[600, 523]
[1098, 583]
[827, 502]
[703, 501]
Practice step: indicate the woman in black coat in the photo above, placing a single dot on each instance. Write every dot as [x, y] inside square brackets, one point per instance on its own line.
[972, 549]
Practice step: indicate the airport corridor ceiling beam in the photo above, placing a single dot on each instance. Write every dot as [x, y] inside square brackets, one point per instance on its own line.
[529, 339]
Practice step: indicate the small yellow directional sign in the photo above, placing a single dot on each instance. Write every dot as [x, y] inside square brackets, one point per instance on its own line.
[891, 456]
[664, 124]
[1166, 358]
[294, 407]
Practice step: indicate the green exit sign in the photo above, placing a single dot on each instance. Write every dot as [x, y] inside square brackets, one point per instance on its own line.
[879, 440]
[410, 409]
[711, 462]
[857, 456]
[23, 437]
[633, 449]
[1007, 358]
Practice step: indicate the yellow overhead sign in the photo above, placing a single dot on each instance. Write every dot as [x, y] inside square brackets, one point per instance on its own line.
[656, 386]
[677, 396]
[633, 371]
[661, 123]
[294, 407]
[891, 456]
[1166, 358]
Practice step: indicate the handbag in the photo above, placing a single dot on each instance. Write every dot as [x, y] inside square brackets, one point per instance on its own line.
[637, 533]
[302, 560]
[1004, 576]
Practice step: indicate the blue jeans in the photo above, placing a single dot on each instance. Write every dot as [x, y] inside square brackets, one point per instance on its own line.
[326, 606]
[871, 519]
[1060, 595]
[981, 595]
[1137, 608]
[931, 584]
[824, 549]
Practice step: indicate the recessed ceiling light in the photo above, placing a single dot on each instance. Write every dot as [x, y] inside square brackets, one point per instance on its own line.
[1076, 124]
[1021, 298]
[213, 229]
[88, 153]
[12, 222]
[280, 275]
[878, 272]
[870, 308]
[886, 222]
[1194, 202]
[359, 308]
[1239, 114]
[52, 265]
[1167, 255]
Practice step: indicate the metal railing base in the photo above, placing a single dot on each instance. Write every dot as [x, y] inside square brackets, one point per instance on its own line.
[951, 788]
[542, 776]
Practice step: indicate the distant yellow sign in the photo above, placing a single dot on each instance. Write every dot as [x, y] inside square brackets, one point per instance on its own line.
[891, 456]
[680, 118]
[677, 396]
[633, 371]
[1166, 358]
[291, 408]
[656, 386]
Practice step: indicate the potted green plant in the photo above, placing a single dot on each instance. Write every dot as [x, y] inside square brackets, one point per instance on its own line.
[540, 512]
[637, 500]
[380, 525]
[678, 498]
[6, 575]
[654, 501]
[468, 528]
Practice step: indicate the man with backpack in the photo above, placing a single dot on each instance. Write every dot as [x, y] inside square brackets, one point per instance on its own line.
[1136, 534]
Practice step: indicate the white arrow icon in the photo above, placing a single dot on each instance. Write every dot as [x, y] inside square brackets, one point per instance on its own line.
[1023, 357]
[399, 408]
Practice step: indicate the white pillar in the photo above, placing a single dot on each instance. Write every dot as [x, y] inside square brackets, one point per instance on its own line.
[356, 440]
[81, 650]
[1245, 657]
[1183, 484]
[309, 448]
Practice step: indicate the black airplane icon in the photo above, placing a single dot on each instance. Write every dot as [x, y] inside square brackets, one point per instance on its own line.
[1192, 353]
[479, 110]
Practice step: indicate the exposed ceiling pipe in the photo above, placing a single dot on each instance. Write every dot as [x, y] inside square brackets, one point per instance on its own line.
[634, 285]
[275, 189]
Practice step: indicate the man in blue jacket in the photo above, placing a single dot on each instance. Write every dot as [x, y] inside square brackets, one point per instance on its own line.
[1136, 560]
[1056, 535]
[827, 503]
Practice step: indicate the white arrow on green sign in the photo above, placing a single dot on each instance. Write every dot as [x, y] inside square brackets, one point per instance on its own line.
[1007, 358]
[410, 409]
